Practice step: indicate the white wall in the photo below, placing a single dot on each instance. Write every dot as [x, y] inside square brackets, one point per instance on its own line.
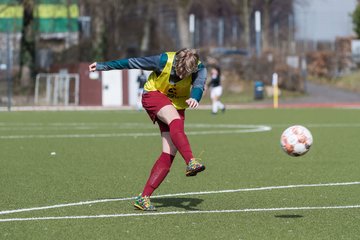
[112, 87]
[133, 85]
[112, 94]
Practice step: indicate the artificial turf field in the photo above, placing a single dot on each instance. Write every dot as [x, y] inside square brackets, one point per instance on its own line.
[250, 189]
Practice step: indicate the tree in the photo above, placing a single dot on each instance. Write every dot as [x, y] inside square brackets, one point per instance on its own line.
[149, 18]
[356, 20]
[246, 23]
[182, 21]
[266, 23]
[27, 47]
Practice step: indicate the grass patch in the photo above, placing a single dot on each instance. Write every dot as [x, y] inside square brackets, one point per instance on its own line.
[349, 82]
[107, 155]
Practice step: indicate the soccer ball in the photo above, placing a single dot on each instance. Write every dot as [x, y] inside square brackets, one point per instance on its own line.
[296, 140]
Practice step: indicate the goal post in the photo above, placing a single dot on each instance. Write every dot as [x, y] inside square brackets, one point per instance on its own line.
[56, 89]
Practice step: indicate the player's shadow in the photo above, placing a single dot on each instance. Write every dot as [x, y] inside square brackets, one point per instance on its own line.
[185, 203]
[289, 216]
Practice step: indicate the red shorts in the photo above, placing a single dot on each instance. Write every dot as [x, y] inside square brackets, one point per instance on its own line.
[152, 102]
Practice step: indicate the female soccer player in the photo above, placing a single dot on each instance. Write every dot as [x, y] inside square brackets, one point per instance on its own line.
[216, 90]
[176, 83]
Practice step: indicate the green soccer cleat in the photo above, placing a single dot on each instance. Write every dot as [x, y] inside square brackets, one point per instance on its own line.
[194, 167]
[143, 203]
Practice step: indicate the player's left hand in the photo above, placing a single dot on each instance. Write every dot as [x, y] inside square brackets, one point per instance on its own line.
[192, 103]
[92, 67]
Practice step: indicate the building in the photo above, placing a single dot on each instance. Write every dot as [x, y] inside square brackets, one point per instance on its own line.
[55, 27]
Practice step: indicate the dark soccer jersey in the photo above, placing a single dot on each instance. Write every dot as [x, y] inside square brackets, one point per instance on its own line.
[214, 81]
[141, 80]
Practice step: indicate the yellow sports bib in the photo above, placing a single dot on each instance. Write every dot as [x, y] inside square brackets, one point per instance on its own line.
[178, 92]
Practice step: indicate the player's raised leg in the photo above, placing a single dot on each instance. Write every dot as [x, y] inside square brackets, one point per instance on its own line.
[169, 115]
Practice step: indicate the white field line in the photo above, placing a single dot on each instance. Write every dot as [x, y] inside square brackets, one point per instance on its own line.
[180, 213]
[72, 126]
[131, 125]
[234, 129]
[178, 194]
[126, 125]
[322, 125]
[100, 135]
[37, 126]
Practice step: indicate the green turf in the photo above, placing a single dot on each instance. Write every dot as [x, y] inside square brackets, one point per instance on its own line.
[101, 155]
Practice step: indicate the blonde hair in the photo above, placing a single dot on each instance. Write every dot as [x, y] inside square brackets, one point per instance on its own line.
[186, 62]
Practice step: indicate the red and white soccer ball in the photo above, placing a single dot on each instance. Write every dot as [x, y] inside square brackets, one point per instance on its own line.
[296, 140]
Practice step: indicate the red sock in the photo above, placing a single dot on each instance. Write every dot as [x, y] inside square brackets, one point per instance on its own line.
[180, 140]
[158, 173]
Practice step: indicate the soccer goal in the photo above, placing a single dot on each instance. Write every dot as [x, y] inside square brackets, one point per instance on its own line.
[56, 89]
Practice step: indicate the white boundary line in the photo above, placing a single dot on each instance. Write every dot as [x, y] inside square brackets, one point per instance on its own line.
[178, 194]
[234, 129]
[134, 125]
[179, 213]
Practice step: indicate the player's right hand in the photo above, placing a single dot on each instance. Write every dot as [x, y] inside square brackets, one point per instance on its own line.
[192, 103]
[92, 67]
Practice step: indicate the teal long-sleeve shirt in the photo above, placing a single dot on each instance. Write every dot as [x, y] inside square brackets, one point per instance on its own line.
[156, 64]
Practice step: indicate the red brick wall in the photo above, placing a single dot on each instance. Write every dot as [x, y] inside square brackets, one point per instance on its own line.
[90, 91]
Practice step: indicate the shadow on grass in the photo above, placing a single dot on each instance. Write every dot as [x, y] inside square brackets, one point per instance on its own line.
[289, 216]
[185, 203]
